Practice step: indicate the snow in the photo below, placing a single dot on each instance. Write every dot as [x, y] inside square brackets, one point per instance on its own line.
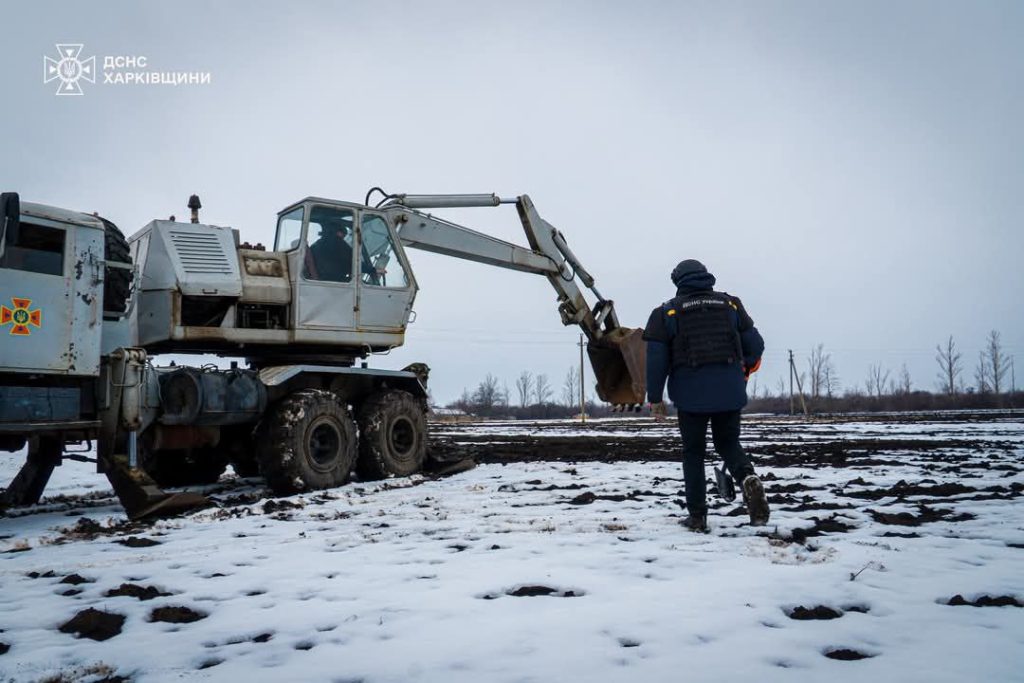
[409, 580]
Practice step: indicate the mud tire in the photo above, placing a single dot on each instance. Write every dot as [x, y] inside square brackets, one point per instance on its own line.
[392, 435]
[117, 282]
[306, 442]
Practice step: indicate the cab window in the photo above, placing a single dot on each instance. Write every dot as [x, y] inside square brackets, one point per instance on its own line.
[34, 248]
[378, 262]
[289, 230]
[329, 238]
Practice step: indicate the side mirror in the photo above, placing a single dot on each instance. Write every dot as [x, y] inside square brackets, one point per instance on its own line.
[10, 214]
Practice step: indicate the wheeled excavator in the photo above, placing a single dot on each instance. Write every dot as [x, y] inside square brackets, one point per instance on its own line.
[84, 310]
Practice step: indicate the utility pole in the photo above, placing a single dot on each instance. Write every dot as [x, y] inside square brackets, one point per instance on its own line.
[1013, 382]
[799, 386]
[583, 402]
[791, 381]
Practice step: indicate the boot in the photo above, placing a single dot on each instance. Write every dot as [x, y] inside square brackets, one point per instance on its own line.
[757, 503]
[698, 523]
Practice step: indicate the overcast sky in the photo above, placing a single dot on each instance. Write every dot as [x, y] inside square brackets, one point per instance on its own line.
[853, 171]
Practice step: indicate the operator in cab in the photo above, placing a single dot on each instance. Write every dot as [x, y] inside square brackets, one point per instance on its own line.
[704, 345]
[329, 258]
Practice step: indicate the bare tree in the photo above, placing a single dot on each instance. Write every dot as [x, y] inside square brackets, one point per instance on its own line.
[524, 387]
[541, 389]
[487, 394]
[996, 363]
[905, 384]
[505, 397]
[878, 379]
[464, 402]
[950, 366]
[571, 387]
[831, 380]
[981, 375]
[819, 366]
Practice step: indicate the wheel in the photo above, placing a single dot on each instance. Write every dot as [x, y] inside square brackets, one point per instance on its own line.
[392, 435]
[117, 282]
[308, 441]
[183, 467]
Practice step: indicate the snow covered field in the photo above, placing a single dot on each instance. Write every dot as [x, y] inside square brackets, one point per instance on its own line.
[549, 570]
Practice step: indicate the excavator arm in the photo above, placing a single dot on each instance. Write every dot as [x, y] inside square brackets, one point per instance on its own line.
[616, 353]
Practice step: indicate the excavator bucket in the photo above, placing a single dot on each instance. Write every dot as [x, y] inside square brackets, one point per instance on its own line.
[140, 495]
[618, 359]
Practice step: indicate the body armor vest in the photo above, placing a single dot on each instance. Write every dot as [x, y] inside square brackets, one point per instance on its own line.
[705, 330]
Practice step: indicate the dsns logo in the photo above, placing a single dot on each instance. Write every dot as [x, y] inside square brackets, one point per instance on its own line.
[68, 69]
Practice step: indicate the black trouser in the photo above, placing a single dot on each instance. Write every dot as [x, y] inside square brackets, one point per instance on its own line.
[725, 432]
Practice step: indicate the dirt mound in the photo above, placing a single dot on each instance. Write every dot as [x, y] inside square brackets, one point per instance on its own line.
[75, 579]
[820, 612]
[132, 590]
[176, 615]
[94, 624]
[986, 601]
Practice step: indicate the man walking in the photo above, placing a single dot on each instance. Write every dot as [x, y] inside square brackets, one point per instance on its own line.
[704, 344]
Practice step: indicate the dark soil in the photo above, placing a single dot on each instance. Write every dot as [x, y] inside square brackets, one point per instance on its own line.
[176, 615]
[986, 601]
[606, 443]
[75, 579]
[924, 516]
[846, 654]
[535, 591]
[132, 590]
[588, 497]
[829, 525]
[138, 542]
[4, 648]
[44, 575]
[821, 612]
[272, 506]
[94, 624]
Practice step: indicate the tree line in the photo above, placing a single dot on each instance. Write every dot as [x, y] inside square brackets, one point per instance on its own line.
[991, 384]
[531, 396]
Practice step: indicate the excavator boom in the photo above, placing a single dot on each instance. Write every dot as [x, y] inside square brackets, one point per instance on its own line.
[616, 352]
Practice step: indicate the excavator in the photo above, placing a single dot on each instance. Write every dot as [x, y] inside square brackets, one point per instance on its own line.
[83, 311]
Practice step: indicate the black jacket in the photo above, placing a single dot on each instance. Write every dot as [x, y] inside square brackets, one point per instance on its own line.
[712, 388]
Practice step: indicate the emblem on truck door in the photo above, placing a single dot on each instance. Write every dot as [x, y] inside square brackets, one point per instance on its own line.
[21, 318]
